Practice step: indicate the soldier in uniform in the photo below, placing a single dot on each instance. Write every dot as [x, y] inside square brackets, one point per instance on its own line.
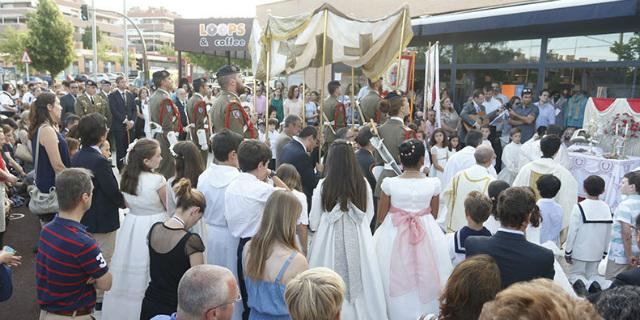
[227, 112]
[105, 89]
[198, 117]
[393, 132]
[334, 112]
[165, 120]
[371, 102]
[90, 102]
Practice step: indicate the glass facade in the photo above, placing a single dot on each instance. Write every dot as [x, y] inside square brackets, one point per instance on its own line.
[604, 65]
[589, 48]
[514, 51]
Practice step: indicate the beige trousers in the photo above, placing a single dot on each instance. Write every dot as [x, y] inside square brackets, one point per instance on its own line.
[106, 242]
[613, 269]
[45, 315]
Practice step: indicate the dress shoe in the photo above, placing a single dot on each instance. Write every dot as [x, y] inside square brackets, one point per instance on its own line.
[595, 287]
[580, 288]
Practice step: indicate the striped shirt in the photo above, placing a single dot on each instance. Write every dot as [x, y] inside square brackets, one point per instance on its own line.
[67, 258]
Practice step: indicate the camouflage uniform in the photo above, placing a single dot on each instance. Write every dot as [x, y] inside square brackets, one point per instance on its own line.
[227, 105]
[84, 106]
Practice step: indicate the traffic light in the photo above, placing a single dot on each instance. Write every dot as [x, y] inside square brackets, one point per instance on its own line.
[139, 65]
[84, 12]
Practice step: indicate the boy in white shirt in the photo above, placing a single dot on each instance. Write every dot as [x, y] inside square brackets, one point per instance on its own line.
[588, 237]
[486, 131]
[477, 208]
[551, 212]
[246, 197]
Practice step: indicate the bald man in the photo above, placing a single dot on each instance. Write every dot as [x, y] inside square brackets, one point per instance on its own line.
[476, 178]
[205, 292]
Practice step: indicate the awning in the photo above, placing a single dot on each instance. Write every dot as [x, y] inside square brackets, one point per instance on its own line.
[525, 15]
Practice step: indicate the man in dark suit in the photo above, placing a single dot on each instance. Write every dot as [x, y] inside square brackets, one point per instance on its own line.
[102, 218]
[474, 107]
[68, 101]
[517, 258]
[297, 153]
[122, 105]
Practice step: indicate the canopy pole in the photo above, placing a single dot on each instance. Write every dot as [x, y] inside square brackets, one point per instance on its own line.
[304, 101]
[255, 95]
[404, 20]
[266, 109]
[324, 60]
[413, 87]
[353, 100]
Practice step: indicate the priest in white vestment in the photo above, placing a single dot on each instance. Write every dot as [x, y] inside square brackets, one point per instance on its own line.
[476, 178]
[529, 174]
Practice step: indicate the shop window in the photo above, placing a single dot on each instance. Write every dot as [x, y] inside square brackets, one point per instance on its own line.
[603, 82]
[602, 47]
[514, 51]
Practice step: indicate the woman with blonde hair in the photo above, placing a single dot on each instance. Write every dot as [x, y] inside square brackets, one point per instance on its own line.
[537, 299]
[315, 294]
[272, 258]
[173, 249]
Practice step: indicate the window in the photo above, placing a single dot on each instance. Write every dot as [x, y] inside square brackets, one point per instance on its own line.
[513, 51]
[445, 54]
[469, 80]
[602, 47]
[604, 82]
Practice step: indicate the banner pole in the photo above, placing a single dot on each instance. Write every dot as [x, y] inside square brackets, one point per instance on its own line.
[353, 100]
[266, 109]
[404, 19]
[324, 60]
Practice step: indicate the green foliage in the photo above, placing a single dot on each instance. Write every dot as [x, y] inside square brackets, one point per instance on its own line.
[13, 43]
[50, 38]
[484, 52]
[87, 38]
[211, 63]
[167, 50]
[629, 51]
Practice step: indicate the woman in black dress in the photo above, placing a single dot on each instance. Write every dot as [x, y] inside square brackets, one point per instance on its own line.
[173, 249]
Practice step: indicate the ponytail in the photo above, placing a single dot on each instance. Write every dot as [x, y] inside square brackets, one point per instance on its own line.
[188, 197]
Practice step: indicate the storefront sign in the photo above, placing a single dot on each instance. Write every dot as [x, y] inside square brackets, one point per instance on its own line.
[212, 35]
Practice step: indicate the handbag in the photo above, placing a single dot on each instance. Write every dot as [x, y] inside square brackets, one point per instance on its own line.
[40, 202]
[23, 153]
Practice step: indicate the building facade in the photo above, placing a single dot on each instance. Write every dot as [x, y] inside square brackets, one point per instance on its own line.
[156, 25]
[581, 45]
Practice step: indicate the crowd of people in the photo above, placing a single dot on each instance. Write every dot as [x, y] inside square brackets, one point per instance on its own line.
[212, 209]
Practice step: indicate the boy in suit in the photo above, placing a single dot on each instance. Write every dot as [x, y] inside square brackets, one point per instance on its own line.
[518, 259]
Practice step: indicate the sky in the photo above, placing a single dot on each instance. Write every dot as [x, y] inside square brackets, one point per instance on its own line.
[191, 8]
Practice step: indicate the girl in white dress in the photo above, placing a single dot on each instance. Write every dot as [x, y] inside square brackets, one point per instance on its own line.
[454, 143]
[293, 105]
[510, 157]
[341, 210]
[439, 153]
[412, 250]
[145, 194]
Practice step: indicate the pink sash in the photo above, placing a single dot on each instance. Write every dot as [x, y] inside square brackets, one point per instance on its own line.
[413, 264]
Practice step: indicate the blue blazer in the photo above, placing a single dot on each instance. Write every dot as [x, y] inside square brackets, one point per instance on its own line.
[517, 258]
[293, 153]
[103, 216]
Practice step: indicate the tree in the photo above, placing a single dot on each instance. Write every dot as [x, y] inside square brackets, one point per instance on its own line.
[14, 43]
[87, 38]
[50, 40]
[629, 51]
[211, 63]
[167, 50]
